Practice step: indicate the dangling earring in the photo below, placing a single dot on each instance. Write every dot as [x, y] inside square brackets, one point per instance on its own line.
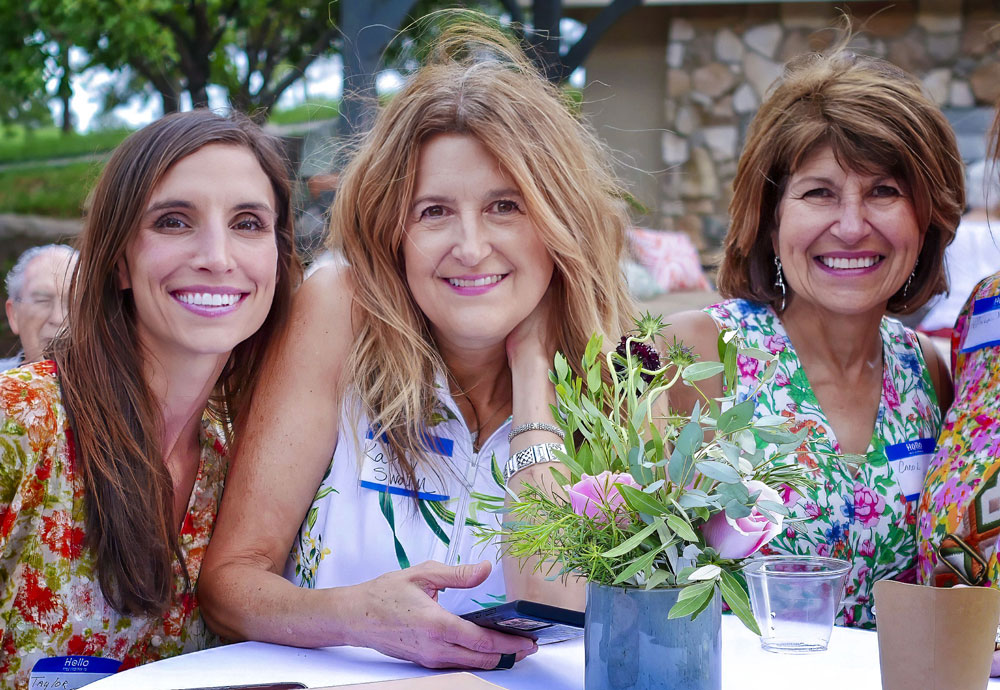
[780, 281]
[906, 288]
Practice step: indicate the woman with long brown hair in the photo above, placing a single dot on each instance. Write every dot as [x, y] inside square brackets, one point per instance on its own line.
[483, 232]
[113, 452]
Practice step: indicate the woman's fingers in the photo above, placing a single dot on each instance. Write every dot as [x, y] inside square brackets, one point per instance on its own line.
[404, 620]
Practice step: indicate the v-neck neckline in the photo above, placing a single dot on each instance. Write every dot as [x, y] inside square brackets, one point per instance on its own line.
[779, 329]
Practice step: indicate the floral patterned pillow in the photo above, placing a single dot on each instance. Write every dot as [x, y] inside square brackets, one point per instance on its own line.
[671, 259]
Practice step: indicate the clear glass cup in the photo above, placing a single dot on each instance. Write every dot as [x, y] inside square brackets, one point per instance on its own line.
[795, 600]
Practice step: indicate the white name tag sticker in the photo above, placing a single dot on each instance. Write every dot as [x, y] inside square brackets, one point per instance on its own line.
[909, 461]
[70, 672]
[377, 474]
[984, 325]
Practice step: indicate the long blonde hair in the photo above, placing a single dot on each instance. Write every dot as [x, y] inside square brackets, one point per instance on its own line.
[476, 82]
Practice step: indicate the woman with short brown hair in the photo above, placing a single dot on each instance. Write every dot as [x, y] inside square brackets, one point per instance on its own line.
[847, 193]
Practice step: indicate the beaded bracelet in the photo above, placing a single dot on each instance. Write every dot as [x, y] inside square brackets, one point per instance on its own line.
[535, 426]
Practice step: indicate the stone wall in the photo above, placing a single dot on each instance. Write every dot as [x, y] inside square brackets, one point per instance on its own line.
[721, 61]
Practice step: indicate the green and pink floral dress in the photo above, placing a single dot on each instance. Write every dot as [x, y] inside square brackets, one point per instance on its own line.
[50, 601]
[863, 515]
[958, 522]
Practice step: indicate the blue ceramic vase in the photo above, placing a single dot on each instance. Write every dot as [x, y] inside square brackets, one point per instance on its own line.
[632, 645]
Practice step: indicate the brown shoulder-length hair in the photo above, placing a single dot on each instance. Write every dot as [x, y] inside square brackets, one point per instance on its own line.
[115, 420]
[479, 83]
[876, 118]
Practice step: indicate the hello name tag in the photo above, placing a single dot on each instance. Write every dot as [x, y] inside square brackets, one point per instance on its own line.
[984, 325]
[70, 672]
[909, 461]
[378, 475]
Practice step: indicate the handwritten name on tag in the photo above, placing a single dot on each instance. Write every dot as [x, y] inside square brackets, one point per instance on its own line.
[984, 325]
[70, 672]
[377, 474]
[909, 461]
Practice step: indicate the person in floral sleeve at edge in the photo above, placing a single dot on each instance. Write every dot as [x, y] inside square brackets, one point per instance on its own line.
[958, 521]
[113, 452]
[847, 193]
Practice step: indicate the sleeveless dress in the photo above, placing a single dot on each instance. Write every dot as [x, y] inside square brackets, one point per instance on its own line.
[51, 603]
[866, 518]
[364, 522]
[958, 523]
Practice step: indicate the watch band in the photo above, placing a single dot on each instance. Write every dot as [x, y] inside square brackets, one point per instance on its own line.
[532, 455]
[535, 426]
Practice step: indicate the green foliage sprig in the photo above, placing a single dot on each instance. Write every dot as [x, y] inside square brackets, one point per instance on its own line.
[688, 468]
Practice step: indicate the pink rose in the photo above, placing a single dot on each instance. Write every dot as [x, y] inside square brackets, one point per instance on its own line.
[597, 497]
[742, 537]
[868, 505]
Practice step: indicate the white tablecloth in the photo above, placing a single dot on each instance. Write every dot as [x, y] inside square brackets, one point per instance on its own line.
[851, 662]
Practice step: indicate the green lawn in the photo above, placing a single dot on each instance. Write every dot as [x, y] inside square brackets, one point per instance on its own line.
[307, 112]
[17, 145]
[58, 192]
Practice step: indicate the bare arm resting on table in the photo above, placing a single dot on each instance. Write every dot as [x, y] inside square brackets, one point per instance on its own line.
[270, 486]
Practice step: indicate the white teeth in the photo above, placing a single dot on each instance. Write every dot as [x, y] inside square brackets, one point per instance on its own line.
[839, 263]
[478, 282]
[207, 299]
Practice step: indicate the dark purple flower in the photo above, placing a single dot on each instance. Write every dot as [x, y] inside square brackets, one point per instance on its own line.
[647, 356]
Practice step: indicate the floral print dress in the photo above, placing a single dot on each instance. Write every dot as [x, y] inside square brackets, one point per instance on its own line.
[863, 515]
[958, 522]
[50, 601]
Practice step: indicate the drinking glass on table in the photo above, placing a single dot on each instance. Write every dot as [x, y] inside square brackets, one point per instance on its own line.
[795, 600]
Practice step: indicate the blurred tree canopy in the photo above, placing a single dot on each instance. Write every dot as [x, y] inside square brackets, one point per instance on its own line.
[253, 49]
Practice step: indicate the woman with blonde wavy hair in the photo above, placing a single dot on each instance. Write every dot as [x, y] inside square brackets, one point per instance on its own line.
[482, 229]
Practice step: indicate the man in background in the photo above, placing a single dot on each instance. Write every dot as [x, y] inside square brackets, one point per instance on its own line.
[37, 288]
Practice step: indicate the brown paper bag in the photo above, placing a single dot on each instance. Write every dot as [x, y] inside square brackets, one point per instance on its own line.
[444, 681]
[933, 638]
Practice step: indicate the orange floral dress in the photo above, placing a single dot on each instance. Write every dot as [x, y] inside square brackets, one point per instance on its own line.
[50, 601]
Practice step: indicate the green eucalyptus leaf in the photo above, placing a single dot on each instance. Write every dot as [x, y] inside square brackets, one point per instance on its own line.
[755, 353]
[692, 599]
[639, 564]
[633, 541]
[690, 439]
[593, 350]
[702, 370]
[776, 436]
[736, 417]
[658, 578]
[719, 471]
[693, 498]
[736, 510]
[739, 603]
[641, 502]
[594, 381]
[681, 527]
[774, 507]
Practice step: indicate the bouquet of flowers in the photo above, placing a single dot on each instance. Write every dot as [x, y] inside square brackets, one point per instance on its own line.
[654, 499]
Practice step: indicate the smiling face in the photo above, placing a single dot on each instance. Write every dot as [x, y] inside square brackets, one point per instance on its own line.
[38, 313]
[475, 263]
[847, 240]
[203, 263]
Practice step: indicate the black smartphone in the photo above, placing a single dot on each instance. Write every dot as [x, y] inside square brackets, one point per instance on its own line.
[542, 623]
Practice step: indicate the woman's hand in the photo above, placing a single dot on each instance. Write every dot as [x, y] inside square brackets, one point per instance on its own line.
[398, 615]
[534, 339]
